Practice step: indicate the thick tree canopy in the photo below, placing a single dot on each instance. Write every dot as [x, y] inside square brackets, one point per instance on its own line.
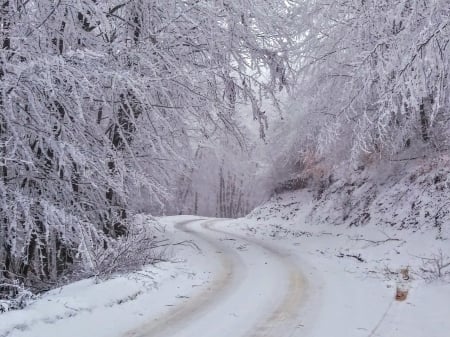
[101, 99]
[374, 82]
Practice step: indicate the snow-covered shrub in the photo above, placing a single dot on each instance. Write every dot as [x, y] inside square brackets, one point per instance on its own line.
[13, 296]
[143, 244]
[435, 267]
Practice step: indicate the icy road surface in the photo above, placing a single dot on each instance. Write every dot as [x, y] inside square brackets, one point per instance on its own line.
[256, 291]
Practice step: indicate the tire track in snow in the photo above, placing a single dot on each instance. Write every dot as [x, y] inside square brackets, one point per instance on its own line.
[283, 321]
[193, 307]
[257, 293]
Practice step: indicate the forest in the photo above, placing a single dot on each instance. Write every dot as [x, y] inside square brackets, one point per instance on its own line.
[112, 108]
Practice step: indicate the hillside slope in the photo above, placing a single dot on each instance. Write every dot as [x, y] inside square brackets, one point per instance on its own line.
[378, 239]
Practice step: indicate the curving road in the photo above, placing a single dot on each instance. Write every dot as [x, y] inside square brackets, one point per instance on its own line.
[257, 292]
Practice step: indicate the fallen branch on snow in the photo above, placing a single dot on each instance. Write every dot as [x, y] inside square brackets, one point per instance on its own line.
[377, 242]
[357, 257]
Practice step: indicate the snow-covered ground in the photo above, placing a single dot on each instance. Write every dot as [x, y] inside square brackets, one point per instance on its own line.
[269, 274]
[356, 271]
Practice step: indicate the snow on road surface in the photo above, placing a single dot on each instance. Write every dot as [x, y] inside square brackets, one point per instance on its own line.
[231, 286]
[258, 291]
[247, 279]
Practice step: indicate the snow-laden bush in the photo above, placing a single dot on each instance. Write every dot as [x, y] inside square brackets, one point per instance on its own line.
[143, 244]
[14, 296]
[435, 267]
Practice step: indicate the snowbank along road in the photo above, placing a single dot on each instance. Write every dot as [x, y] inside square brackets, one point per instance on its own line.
[257, 291]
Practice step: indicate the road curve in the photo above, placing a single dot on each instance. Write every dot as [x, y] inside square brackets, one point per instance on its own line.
[257, 292]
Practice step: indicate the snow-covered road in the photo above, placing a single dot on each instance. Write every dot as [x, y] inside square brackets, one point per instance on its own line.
[257, 290]
[248, 279]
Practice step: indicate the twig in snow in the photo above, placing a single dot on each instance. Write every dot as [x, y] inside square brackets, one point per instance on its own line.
[377, 242]
[357, 257]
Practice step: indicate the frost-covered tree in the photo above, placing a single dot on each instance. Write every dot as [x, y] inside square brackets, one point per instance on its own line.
[99, 101]
[374, 79]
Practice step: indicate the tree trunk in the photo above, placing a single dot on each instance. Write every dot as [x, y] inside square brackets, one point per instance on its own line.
[5, 248]
[424, 111]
